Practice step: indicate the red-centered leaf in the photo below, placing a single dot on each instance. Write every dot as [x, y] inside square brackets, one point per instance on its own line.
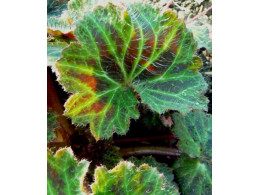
[120, 52]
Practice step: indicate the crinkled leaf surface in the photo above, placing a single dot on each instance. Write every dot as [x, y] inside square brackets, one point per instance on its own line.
[162, 167]
[52, 124]
[55, 7]
[194, 177]
[125, 178]
[121, 52]
[170, 186]
[195, 133]
[65, 174]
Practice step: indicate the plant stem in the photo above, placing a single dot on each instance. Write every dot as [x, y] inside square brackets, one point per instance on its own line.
[201, 14]
[140, 139]
[150, 150]
[57, 144]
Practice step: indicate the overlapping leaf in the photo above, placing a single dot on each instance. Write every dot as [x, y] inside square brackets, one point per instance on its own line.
[193, 170]
[170, 186]
[121, 52]
[125, 178]
[52, 124]
[65, 174]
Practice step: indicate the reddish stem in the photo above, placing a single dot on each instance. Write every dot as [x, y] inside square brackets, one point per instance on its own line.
[150, 150]
[201, 14]
[140, 139]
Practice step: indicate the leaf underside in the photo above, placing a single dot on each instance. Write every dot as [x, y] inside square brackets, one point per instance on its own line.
[123, 52]
[125, 178]
[194, 169]
[65, 174]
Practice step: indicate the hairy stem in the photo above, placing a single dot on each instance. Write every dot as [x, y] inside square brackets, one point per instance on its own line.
[150, 150]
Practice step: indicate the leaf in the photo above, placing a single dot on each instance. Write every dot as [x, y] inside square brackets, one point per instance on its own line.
[162, 168]
[52, 124]
[195, 133]
[193, 176]
[120, 53]
[201, 31]
[65, 174]
[125, 178]
[56, 42]
[55, 7]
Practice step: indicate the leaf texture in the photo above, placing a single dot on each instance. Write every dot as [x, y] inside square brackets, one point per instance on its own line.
[195, 133]
[65, 174]
[125, 178]
[194, 169]
[52, 124]
[170, 186]
[123, 52]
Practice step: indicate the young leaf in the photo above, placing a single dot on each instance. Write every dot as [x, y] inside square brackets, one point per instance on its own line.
[52, 124]
[125, 178]
[65, 174]
[195, 133]
[121, 52]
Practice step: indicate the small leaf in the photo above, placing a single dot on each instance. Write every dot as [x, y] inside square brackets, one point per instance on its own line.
[121, 52]
[125, 178]
[195, 133]
[65, 174]
[201, 32]
[52, 124]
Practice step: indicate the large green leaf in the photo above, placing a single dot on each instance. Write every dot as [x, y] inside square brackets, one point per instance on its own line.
[125, 178]
[123, 52]
[65, 174]
[194, 169]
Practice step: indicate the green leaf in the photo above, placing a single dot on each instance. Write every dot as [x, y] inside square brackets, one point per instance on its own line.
[170, 186]
[162, 167]
[52, 124]
[195, 133]
[56, 7]
[125, 178]
[121, 52]
[65, 174]
[201, 32]
[193, 176]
